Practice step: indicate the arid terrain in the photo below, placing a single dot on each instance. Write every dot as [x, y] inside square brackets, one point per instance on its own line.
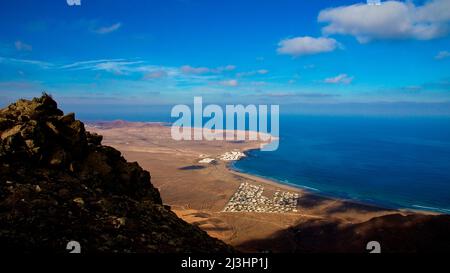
[199, 192]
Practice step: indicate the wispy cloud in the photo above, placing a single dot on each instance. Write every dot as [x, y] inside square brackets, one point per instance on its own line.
[187, 69]
[259, 83]
[108, 29]
[183, 77]
[205, 70]
[21, 46]
[88, 64]
[300, 95]
[116, 66]
[156, 74]
[253, 73]
[229, 83]
[26, 62]
[226, 68]
[442, 55]
[179, 76]
[339, 79]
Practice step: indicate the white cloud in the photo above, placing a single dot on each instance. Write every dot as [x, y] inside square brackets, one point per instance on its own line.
[229, 83]
[108, 29]
[225, 68]
[176, 76]
[252, 73]
[143, 70]
[259, 83]
[119, 68]
[26, 62]
[194, 70]
[339, 79]
[390, 20]
[263, 71]
[204, 70]
[116, 66]
[156, 74]
[88, 64]
[299, 95]
[21, 46]
[300, 46]
[442, 55]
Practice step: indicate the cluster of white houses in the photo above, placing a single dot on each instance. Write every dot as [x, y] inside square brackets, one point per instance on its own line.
[232, 156]
[249, 198]
[228, 156]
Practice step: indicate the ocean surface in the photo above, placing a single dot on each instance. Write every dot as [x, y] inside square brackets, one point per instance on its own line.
[394, 162]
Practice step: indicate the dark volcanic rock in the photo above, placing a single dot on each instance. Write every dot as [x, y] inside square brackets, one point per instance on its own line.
[58, 183]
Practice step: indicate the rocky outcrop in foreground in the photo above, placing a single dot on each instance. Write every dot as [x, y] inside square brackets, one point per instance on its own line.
[59, 183]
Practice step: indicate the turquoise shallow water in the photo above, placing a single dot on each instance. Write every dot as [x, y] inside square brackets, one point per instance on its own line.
[394, 162]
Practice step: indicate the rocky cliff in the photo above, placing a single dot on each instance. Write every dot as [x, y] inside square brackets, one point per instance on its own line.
[59, 183]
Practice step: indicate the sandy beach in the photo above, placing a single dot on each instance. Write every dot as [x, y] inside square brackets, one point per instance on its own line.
[198, 190]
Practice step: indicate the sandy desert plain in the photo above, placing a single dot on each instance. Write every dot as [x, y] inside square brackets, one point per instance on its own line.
[200, 192]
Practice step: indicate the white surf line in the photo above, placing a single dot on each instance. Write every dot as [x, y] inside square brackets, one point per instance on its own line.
[431, 208]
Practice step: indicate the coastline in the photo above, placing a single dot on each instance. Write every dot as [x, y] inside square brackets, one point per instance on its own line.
[198, 192]
[304, 189]
[415, 208]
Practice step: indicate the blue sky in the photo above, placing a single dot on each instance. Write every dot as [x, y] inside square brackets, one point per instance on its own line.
[287, 52]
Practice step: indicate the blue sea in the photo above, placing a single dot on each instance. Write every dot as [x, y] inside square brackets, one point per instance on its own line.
[394, 162]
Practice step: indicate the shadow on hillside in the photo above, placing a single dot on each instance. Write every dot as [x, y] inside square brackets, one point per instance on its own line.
[395, 233]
